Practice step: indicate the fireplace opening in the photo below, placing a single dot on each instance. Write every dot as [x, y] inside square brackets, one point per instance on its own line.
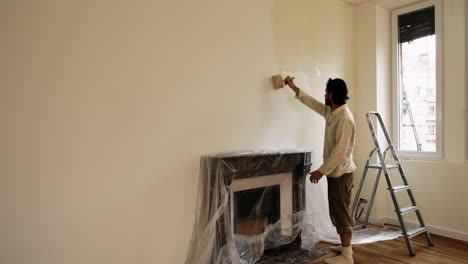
[256, 208]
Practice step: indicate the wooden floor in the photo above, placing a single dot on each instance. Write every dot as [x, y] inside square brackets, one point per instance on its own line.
[445, 251]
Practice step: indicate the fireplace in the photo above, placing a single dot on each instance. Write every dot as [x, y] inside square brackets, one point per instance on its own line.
[248, 202]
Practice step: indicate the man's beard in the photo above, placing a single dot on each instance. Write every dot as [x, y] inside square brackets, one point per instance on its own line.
[327, 102]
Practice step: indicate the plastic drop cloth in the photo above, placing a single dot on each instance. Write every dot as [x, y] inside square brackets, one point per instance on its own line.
[224, 233]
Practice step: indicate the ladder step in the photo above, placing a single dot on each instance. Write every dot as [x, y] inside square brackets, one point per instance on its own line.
[401, 188]
[358, 226]
[408, 209]
[412, 232]
[379, 166]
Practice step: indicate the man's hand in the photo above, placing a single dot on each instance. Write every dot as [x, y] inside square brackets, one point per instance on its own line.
[315, 176]
[289, 81]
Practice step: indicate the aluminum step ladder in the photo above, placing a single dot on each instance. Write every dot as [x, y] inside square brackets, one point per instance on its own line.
[380, 166]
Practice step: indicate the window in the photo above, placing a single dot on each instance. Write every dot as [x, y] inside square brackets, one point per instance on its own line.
[430, 91]
[416, 45]
[431, 110]
[431, 129]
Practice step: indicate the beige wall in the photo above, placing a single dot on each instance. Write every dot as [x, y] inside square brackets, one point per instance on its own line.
[373, 88]
[439, 186]
[107, 106]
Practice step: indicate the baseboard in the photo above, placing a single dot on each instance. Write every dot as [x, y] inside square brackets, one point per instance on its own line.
[377, 221]
[432, 229]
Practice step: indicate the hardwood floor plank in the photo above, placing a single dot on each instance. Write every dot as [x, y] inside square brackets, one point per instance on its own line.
[445, 251]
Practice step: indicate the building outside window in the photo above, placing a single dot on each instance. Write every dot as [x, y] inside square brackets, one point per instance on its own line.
[431, 129]
[431, 111]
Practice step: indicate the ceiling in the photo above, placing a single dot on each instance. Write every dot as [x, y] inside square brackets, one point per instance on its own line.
[388, 4]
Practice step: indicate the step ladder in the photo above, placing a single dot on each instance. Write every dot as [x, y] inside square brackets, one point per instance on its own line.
[382, 166]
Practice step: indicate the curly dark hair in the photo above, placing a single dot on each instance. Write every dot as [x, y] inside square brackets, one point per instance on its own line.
[339, 90]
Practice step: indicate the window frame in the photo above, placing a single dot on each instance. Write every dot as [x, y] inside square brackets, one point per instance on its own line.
[438, 154]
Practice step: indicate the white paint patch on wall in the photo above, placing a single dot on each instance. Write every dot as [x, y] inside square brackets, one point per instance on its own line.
[313, 53]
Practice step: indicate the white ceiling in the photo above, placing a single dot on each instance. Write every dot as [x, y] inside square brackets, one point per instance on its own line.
[388, 4]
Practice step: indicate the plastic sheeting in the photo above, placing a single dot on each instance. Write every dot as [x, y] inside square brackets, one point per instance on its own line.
[366, 236]
[225, 233]
[269, 216]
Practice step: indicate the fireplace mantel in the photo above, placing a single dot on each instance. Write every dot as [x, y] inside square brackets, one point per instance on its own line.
[252, 164]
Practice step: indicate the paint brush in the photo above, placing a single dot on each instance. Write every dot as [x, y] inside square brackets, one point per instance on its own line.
[278, 81]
